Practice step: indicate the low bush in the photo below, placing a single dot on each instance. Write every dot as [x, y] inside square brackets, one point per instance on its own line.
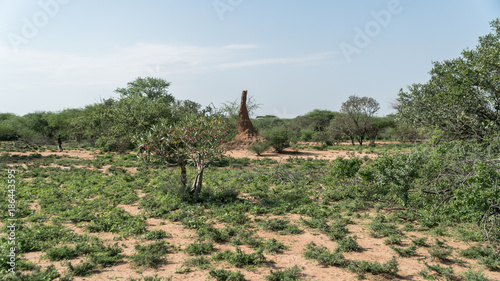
[240, 259]
[259, 147]
[287, 274]
[151, 255]
[348, 244]
[405, 252]
[200, 248]
[323, 256]
[278, 137]
[226, 275]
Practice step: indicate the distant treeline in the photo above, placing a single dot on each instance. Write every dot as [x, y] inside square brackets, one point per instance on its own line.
[113, 123]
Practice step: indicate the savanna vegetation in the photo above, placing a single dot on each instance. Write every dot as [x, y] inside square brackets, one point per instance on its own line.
[432, 196]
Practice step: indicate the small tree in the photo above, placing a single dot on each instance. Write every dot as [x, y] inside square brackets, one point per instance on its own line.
[360, 112]
[196, 141]
[341, 125]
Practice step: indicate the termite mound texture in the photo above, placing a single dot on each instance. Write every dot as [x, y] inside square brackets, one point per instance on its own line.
[245, 131]
[244, 124]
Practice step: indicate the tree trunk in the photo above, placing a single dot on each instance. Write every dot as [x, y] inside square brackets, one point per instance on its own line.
[198, 181]
[183, 175]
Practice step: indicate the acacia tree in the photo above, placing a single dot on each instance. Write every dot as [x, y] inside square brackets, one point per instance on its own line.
[197, 141]
[341, 125]
[462, 97]
[358, 116]
[143, 103]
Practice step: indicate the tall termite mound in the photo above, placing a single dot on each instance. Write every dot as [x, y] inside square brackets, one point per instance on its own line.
[244, 124]
[246, 134]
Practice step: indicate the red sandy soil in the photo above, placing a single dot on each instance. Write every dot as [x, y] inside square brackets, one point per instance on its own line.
[301, 153]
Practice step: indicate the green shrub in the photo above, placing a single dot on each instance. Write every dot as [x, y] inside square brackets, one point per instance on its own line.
[486, 256]
[82, 269]
[440, 252]
[348, 244]
[346, 168]
[337, 231]
[200, 248]
[107, 256]
[279, 225]
[288, 274]
[156, 234]
[226, 275]
[393, 239]
[210, 233]
[259, 147]
[375, 268]
[273, 246]
[447, 272]
[471, 275]
[405, 252]
[240, 259]
[200, 262]
[278, 137]
[323, 256]
[420, 241]
[151, 255]
[384, 229]
[61, 253]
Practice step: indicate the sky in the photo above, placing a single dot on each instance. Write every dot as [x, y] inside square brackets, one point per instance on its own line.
[292, 56]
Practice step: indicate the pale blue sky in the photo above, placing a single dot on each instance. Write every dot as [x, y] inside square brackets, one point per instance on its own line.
[292, 56]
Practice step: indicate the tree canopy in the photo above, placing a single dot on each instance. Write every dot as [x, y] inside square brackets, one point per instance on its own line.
[462, 97]
[355, 118]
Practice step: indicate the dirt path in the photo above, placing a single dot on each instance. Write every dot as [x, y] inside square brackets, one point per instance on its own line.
[301, 153]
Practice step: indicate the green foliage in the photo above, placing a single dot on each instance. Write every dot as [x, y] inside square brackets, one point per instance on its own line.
[151, 255]
[287, 274]
[461, 99]
[396, 174]
[278, 138]
[348, 244]
[61, 253]
[323, 256]
[346, 168]
[446, 272]
[440, 250]
[200, 262]
[240, 259]
[355, 120]
[106, 256]
[226, 275]
[156, 234]
[118, 221]
[197, 141]
[273, 246]
[486, 256]
[200, 248]
[82, 269]
[405, 252]
[279, 225]
[360, 267]
[471, 275]
[259, 147]
[49, 273]
[419, 241]
[393, 239]
[380, 229]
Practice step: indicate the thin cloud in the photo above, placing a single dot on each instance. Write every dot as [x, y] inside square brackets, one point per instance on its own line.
[241, 46]
[138, 60]
[320, 57]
